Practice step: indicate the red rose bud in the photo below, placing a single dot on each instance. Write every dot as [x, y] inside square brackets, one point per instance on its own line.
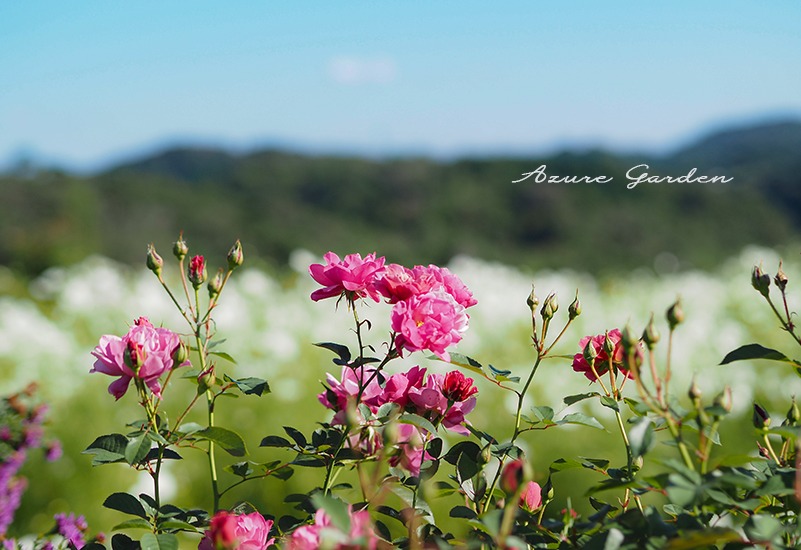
[179, 248]
[154, 261]
[761, 418]
[197, 271]
[215, 284]
[514, 474]
[222, 531]
[134, 355]
[235, 256]
[457, 387]
[760, 281]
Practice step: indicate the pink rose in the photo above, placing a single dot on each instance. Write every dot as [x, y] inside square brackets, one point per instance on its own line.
[397, 387]
[453, 285]
[601, 362]
[312, 537]
[353, 276]
[338, 394]
[431, 403]
[144, 353]
[531, 497]
[432, 321]
[399, 283]
[237, 532]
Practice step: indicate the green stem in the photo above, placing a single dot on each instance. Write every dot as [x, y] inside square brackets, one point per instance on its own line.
[212, 462]
[329, 468]
[683, 450]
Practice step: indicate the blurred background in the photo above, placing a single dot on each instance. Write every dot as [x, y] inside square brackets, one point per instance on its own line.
[400, 129]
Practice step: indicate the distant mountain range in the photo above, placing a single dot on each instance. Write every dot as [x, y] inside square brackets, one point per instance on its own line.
[417, 210]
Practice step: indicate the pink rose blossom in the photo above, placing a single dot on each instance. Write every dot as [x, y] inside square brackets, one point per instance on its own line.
[353, 276]
[432, 321]
[410, 447]
[397, 387]
[453, 285]
[237, 532]
[339, 394]
[147, 347]
[601, 362]
[431, 403]
[323, 534]
[399, 283]
[531, 497]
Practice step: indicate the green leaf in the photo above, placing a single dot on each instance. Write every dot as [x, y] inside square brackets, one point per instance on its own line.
[707, 538]
[755, 351]
[342, 351]
[189, 428]
[137, 449]
[503, 375]
[275, 441]
[462, 512]
[251, 385]
[230, 442]
[224, 355]
[417, 420]
[297, 435]
[609, 403]
[762, 528]
[571, 399]
[159, 542]
[582, 419]
[467, 362]
[336, 510]
[641, 436]
[137, 523]
[125, 503]
[543, 414]
[241, 469]
[107, 449]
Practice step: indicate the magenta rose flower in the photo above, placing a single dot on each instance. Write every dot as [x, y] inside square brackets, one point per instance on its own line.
[353, 276]
[601, 362]
[431, 403]
[323, 534]
[399, 283]
[457, 387]
[144, 353]
[531, 497]
[433, 276]
[397, 387]
[237, 532]
[339, 394]
[432, 321]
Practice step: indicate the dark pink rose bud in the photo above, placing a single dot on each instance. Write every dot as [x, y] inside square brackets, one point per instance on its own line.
[531, 497]
[134, 355]
[514, 473]
[222, 530]
[197, 271]
[457, 387]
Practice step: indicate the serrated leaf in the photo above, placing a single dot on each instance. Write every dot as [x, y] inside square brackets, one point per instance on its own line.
[107, 449]
[137, 449]
[572, 399]
[250, 385]
[229, 441]
[224, 355]
[582, 419]
[150, 541]
[756, 351]
[125, 503]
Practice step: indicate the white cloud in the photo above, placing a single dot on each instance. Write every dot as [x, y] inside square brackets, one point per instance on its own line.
[354, 71]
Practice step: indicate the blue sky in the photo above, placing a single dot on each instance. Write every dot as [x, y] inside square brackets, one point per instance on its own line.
[84, 83]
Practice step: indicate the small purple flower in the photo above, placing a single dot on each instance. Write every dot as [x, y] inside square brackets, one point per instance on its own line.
[72, 528]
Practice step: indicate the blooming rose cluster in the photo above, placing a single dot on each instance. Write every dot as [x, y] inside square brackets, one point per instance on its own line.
[229, 531]
[323, 534]
[442, 399]
[145, 353]
[429, 303]
[601, 362]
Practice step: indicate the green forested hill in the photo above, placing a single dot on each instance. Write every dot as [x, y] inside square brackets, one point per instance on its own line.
[416, 210]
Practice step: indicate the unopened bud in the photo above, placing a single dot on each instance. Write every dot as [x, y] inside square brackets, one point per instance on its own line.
[549, 307]
[134, 355]
[609, 345]
[532, 301]
[627, 340]
[724, 399]
[675, 315]
[514, 474]
[547, 490]
[589, 352]
[197, 271]
[650, 335]
[694, 393]
[793, 415]
[761, 418]
[206, 379]
[215, 284]
[781, 278]
[154, 261]
[180, 355]
[179, 248]
[760, 281]
[235, 256]
[575, 309]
